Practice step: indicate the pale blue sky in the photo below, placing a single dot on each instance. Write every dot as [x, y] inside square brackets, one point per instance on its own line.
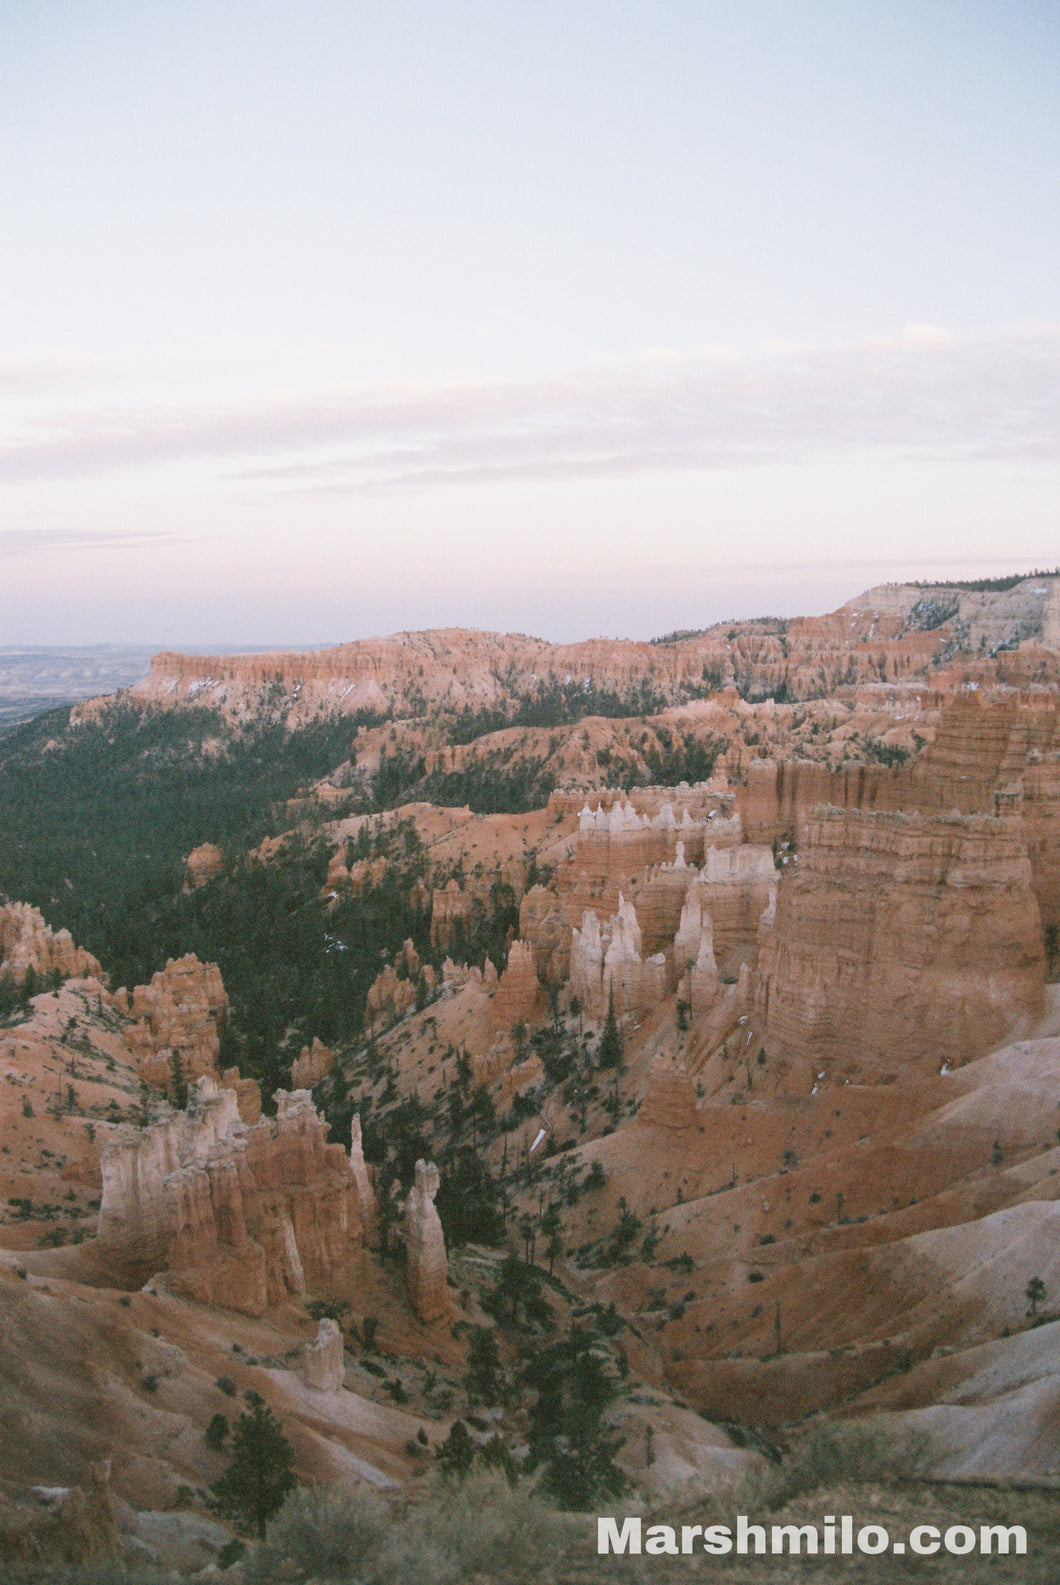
[325, 319]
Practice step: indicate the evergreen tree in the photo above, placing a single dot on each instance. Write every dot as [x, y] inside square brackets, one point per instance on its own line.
[611, 1053]
[567, 1436]
[259, 1477]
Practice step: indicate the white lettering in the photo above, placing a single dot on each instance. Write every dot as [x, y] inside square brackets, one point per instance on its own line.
[744, 1530]
[1003, 1533]
[717, 1539]
[927, 1548]
[661, 1539]
[688, 1534]
[610, 1539]
[959, 1539]
[795, 1533]
[873, 1539]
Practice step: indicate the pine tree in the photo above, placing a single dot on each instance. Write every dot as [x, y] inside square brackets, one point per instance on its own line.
[611, 1053]
[259, 1477]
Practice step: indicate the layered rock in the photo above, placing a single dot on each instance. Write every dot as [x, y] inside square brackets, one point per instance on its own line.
[899, 939]
[28, 945]
[889, 634]
[426, 1263]
[607, 962]
[735, 887]
[323, 1362]
[181, 1012]
[670, 1101]
[546, 930]
[237, 1216]
[312, 1064]
[519, 996]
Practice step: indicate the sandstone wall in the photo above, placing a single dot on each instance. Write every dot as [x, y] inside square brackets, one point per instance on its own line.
[994, 753]
[900, 939]
[27, 943]
[182, 1009]
[519, 996]
[237, 1216]
[887, 635]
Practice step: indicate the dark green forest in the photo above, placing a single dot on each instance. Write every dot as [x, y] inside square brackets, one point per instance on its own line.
[97, 820]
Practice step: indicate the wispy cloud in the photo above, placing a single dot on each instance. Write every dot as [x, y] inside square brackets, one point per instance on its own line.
[16, 543]
[923, 394]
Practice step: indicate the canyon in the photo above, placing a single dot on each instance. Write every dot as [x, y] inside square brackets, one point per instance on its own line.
[742, 1029]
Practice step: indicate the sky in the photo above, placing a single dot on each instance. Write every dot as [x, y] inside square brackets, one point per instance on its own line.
[328, 318]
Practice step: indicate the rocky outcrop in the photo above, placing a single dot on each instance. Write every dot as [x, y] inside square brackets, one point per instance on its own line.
[248, 1094]
[899, 939]
[181, 1012]
[671, 1098]
[607, 962]
[546, 930]
[449, 905]
[519, 996]
[889, 634]
[236, 1216]
[203, 864]
[393, 992]
[365, 1191]
[426, 1263]
[312, 1064]
[28, 945]
[323, 1361]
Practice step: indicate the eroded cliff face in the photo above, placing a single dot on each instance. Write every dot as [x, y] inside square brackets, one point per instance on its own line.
[28, 944]
[234, 1215]
[180, 1013]
[995, 753]
[900, 940]
[889, 634]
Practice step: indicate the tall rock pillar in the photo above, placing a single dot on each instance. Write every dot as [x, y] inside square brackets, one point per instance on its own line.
[426, 1264]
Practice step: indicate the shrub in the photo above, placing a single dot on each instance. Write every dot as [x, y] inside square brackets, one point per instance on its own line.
[215, 1433]
[329, 1533]
[482, 1527]
[845, 1451]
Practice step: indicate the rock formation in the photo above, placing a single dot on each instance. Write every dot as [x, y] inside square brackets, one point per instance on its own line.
[323, 1360]
[365, 1192]
[995, 753]
[519, 995]
[426, 1264]
[26, 943]
[671, 1098]
[237, 1216]
[312, 1064]
[393, 991]
[181, 1011]
[248, 1094]
[203, 863]
[889, 634]
[606, 962]
[546, 930]
[449, 905]
[900, 939]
